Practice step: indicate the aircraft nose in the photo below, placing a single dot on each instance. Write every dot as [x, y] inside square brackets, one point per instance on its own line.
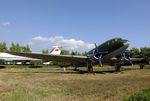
[126, 42]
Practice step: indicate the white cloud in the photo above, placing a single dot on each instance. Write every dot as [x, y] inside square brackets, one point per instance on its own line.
[70, 44]
[4, 24]
[40, 39]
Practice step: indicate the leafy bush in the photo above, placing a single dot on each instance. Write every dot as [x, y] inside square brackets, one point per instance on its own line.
[36, 64]
[2, 62]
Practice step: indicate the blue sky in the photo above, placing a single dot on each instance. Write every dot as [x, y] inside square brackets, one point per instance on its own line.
[75, 23]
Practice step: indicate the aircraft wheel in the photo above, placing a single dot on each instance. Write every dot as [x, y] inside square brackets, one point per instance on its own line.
[118, 67]
[90, 68]
[76, 69]
[141, 65]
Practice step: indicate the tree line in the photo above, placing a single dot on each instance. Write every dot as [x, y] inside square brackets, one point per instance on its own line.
[135, 51]
[16, 47]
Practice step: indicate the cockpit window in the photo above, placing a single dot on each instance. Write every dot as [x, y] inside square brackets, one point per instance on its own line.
[116, 39]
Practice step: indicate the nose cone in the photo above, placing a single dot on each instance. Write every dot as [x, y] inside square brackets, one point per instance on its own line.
[126, 42]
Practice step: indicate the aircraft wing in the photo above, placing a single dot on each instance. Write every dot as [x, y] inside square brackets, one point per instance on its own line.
[140, 60]
[48, 57]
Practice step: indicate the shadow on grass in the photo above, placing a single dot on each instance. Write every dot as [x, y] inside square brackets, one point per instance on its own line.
[67, 72]
[32, 66]
[71, 71]
[2, 67]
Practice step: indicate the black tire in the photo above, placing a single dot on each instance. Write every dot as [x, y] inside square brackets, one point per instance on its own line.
[117, 67]
[141, 66]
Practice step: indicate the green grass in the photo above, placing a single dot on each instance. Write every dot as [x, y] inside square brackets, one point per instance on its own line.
[24, 94]
[142, 96]
[53, 84]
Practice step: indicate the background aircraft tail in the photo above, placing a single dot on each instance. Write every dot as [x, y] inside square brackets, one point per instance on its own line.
[56, 50]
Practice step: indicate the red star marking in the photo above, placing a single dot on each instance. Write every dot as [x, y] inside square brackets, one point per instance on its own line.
[57, 49]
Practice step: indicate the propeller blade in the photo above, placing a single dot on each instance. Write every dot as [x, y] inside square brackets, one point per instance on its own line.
[96, 50]
[95, 45]
[127, 58]
[100, 60]
[97, 55]
[130, 61]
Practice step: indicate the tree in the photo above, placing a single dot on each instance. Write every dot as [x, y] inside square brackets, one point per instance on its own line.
[25, 48]
[145, 50]
[3, 47]
[45, 51]
[65, 52]
[84, 53]
[2, 62]
[76, 53]
[134, 51]
[73, 53]
[15, 48]
[18, 48]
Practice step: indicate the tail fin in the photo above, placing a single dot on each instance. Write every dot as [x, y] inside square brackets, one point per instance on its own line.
[56, 50]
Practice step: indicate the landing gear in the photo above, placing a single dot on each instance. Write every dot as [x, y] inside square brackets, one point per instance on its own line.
[89, 66]
[141, 65]
[76, 69]
[118, 67]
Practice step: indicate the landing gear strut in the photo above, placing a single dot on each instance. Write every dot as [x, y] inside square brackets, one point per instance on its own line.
[141, 65]
[89, 66]
[117, 67]
[76, 69]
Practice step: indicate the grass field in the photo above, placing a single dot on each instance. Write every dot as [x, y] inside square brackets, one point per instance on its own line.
[53, 84]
